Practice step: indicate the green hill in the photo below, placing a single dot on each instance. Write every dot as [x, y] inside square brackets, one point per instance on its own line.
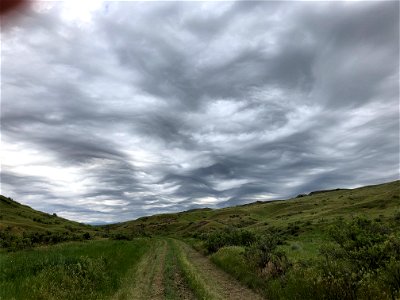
[320, 207]
[335, 244]
[297, 215]
[21, 226]
[23, 218]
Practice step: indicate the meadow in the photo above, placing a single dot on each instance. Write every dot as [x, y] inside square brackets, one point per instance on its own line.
[75, 270]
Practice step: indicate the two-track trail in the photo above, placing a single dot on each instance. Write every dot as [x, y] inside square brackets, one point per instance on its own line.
[146, 281]
[171, 269]
[208, 281]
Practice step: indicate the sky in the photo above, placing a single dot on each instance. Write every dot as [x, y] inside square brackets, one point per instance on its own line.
[115, 110]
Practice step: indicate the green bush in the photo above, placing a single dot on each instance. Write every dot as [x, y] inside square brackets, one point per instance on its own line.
[264, 256]
[362, 261]
[228, 237]
[17, 241]
[367, 245]
[86, 236]
[122, 236]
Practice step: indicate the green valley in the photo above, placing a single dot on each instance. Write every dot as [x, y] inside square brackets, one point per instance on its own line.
[337, 244]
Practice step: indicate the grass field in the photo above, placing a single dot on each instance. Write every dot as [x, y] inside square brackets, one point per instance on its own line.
[76, 270]
[340, 244]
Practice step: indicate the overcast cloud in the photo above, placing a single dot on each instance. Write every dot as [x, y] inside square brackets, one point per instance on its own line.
[123, 109]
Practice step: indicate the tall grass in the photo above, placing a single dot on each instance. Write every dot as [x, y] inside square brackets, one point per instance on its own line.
[191, 275]
[90, 270]
[232, 260]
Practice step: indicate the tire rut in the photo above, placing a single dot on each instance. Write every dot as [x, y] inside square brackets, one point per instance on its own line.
[221, 284]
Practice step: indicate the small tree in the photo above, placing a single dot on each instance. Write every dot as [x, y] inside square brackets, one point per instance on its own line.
[266, 258]
[86, 236]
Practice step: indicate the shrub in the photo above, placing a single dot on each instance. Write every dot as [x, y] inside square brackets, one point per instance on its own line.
[293, 229]
[363, 252]
[228, 237]
[362, 242]
[13, 241]
[121, 237]
[86, 236]
[264, 256]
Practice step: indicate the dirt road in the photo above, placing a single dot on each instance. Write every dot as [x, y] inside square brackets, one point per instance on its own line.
[174, 270]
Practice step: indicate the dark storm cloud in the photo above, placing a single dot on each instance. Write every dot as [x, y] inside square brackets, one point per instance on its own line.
[163, 106]
[361, 54]
[178, 68]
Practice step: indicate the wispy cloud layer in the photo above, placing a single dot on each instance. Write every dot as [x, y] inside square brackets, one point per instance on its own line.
[132, 108]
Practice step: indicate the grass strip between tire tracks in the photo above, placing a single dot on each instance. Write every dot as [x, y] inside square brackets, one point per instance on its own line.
[192, 276]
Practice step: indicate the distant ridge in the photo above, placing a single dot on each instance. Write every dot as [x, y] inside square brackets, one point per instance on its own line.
[322, 207]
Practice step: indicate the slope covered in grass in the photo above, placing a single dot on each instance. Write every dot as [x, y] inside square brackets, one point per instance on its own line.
[338, 244]
[320, 208]
[22, 227]
[23, 218]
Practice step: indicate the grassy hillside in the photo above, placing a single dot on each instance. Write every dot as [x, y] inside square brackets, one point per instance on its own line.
[322, 208]
[24, 218]
[318, 208]
[337, 244]
[304, 218]
[22, 226]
